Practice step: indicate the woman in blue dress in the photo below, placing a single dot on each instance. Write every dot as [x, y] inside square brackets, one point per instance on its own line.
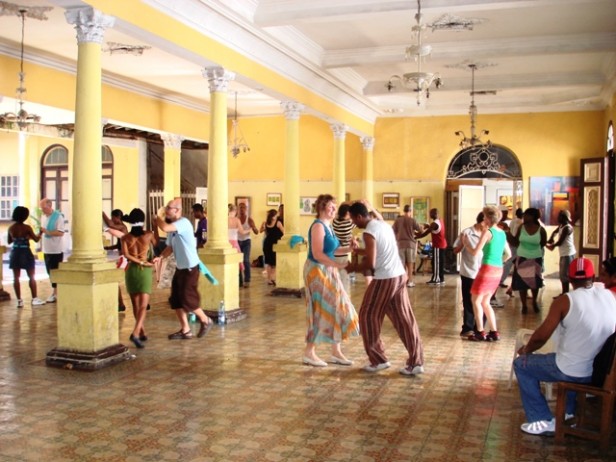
[20, 234]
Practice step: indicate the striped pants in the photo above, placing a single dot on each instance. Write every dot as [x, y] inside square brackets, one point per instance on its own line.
[438, 265]
[389, 297]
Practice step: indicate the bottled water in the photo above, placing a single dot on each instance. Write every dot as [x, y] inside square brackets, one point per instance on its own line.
[222, 315]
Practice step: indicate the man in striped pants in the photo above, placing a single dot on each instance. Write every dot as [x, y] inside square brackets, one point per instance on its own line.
[385, 295]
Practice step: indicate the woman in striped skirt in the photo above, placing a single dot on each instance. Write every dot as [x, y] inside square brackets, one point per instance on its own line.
[330, 314]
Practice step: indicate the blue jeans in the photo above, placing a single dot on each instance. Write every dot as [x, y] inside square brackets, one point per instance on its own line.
[533, 369]
[245, 248]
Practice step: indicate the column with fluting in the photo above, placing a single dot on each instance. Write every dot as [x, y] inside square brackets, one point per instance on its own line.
[172, 166]
[290, 252]
[339, 161]
[87, 309]
[218, 255]
[368, 184]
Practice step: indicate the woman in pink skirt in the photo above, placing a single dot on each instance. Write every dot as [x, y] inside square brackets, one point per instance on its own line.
[493, 244]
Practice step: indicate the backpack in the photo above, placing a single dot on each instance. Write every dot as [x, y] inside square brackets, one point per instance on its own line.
[603, 361]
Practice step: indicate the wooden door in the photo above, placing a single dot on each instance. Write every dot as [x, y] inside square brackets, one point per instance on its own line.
[594, 233]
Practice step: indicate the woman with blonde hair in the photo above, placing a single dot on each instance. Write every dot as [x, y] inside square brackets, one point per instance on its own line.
[330, 315]
[493, 244]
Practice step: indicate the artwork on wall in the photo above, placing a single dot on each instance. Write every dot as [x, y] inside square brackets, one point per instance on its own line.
[242, 200]
[273, 199]
[504, 198]
[551, 194]
[306, 205]
[421, 208]
[391, 200]
[389, 216]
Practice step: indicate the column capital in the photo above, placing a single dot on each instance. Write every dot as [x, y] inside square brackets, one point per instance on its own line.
[90, 24]
[291, 109]
[172, 141]
[367, 142]
[339, 130]
[218, 78]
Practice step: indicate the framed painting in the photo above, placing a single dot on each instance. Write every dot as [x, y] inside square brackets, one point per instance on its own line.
[242, 200]
[273, 199]
[551, 194]
[391, 200]
[421, 208]
[306, 205]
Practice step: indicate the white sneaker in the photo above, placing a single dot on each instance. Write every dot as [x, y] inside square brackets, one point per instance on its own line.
[37, 302]
[495, 303]
[20, 303]
[378, 367]
[540, 427]
[415, 370]
[410, 284]
[52, 299]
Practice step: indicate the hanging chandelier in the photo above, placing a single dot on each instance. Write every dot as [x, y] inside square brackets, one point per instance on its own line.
[21, 118]
[474, 140]
[419, 82]
[239, 144]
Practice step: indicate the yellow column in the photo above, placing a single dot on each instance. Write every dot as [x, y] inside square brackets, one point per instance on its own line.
[87, 284]
[222, 259]
[339, 161]
[368, 189]
[172, 166]
[290, 261]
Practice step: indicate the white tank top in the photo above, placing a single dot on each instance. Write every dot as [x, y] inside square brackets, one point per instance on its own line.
[590, 321]
[245, 227]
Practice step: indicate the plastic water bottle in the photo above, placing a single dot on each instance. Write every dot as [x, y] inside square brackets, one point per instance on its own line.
[192, 318]
[222, 315]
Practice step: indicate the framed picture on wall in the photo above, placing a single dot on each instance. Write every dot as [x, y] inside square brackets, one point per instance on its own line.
[306, 205]
[242, 200]
[273, 199]
[391, 200]
[421, 208]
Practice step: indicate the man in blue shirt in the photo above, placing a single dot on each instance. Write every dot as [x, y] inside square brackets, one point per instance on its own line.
[184, 293]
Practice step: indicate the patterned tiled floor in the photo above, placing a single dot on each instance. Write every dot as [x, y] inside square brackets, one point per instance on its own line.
[242, 394]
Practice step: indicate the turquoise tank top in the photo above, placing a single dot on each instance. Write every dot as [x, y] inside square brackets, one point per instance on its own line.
[330, 243]
[493, 250]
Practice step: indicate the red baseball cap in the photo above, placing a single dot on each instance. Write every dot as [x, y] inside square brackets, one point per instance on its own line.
[581, 268]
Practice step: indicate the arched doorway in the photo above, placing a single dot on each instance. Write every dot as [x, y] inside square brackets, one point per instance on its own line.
[492, 172]
[55, 179]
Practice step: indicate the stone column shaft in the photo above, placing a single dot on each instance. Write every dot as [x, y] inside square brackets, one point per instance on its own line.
[172, 166]
[339, 161]
[368, 183]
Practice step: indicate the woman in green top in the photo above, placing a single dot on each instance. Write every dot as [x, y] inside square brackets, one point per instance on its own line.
[527, 271]
[493, 244]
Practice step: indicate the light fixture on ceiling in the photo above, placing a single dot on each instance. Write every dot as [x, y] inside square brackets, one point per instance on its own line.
[419, 82]
[21, 118]
[474, 140]
[239, 144]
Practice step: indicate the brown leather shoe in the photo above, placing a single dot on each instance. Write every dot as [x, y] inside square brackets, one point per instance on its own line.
[179, 335]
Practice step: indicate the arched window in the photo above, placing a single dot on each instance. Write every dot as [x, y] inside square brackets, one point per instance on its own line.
[54, 178]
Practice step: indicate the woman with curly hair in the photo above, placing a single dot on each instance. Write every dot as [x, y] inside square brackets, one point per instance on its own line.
[331, 317]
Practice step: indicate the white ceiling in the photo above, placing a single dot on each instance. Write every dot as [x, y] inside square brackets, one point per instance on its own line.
[538, 55]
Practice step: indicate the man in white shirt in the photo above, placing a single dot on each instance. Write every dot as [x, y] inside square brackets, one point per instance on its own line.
[469, 267]
[385, 295]
[52, 231]
[584, 318]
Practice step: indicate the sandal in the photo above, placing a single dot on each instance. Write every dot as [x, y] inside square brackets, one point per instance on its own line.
[205, 328]
[179, 335]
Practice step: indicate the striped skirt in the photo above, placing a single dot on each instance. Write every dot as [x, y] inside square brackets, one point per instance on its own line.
[330, 315]
[487, 280]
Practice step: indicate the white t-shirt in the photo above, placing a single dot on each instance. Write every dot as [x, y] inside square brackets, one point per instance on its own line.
[53, 244]
[469, 264]
[590, 321]
[388, 263]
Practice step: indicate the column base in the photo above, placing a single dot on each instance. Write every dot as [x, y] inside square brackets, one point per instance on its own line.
[4, 295]
[87, 361]
[232, 316]
[290, 266]
[279, 291]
